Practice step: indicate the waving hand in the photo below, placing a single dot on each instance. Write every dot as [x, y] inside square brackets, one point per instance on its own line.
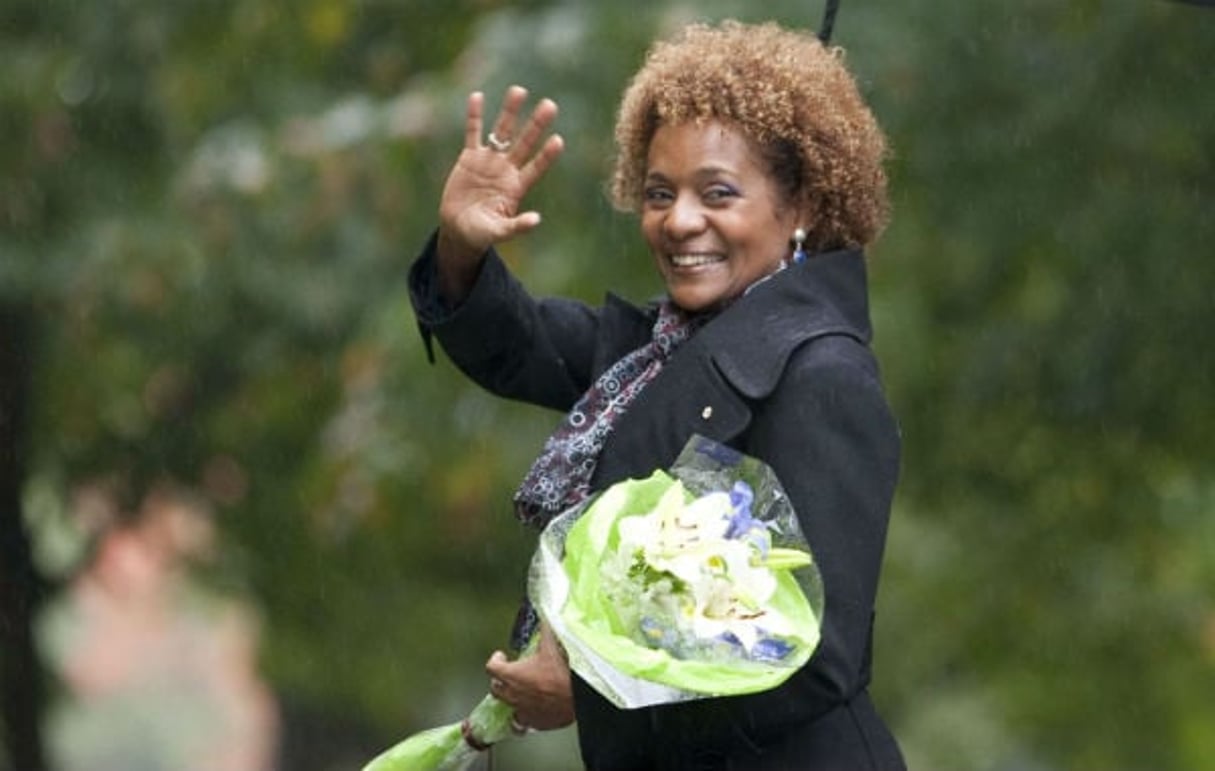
[485, 189]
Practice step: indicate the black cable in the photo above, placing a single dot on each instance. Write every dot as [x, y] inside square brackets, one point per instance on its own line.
[824, 31]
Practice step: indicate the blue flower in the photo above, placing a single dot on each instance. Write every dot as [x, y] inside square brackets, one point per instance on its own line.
[657, 634]
[731, 639]
[770, 649]
[742, 523]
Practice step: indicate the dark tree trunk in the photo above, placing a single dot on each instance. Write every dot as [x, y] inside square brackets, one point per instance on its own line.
[21, 672]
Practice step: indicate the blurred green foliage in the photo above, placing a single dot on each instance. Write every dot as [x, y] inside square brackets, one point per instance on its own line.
[207, 210]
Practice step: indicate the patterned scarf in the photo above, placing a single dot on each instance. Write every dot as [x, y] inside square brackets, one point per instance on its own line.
[561, 476]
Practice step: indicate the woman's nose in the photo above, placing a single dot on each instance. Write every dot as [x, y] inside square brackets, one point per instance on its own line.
[685, 218]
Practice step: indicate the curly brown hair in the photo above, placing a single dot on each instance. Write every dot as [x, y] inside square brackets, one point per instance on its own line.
[791, 96]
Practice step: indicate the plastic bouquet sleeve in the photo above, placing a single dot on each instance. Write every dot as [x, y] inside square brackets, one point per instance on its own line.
[694, 582]
[453, 747]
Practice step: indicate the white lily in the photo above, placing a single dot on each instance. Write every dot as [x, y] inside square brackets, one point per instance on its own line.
[727, 581]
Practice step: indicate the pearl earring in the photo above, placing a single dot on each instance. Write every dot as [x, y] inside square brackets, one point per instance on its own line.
[799, 245]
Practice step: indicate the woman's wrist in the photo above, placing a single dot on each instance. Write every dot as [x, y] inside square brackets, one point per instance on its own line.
[457, 267]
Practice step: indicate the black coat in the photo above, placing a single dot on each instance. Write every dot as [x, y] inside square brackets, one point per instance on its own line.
[783, 374]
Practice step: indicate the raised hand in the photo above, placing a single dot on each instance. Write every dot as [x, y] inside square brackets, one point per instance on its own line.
[485, 189]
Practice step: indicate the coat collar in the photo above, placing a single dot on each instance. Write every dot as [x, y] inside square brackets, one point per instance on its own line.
[751, 341]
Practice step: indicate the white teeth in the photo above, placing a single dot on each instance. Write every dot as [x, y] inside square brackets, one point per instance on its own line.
[692, 260]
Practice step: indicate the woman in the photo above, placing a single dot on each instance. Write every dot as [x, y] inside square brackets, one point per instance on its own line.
[756, 169]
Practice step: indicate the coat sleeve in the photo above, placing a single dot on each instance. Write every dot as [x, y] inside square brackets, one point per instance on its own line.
[516, 346]
[829, 435]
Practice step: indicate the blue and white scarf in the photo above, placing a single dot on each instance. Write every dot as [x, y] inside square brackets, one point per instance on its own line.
[560, 478]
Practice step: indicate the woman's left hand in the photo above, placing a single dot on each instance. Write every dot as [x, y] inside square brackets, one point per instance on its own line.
[537, 686]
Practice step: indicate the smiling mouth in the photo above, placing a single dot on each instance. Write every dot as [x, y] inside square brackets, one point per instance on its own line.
[694, 260]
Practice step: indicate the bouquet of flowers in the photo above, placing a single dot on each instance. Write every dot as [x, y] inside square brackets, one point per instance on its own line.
[687, 584]
[691, 583]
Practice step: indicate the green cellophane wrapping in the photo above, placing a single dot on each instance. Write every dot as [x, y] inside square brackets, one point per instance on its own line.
[445, 748]
[567, 586]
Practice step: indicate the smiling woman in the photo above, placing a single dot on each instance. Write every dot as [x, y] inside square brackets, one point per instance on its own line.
[743, 149]
[714, 219]
[795, 103]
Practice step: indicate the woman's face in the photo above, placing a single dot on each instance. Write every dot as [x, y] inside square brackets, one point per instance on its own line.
[711, 213]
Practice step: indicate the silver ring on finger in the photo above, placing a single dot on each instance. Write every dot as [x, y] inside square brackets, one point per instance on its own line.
[496, 144]
[518, 727]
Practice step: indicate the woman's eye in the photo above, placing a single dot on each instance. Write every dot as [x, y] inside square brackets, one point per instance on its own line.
[719, 193]
[657, 195]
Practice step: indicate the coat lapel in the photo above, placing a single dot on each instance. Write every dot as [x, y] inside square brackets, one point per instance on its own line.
[711, 382]
[752, 342]
[688, 397]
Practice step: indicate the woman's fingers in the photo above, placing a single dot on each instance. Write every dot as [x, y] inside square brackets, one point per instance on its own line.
[505, 137]
[536, 686]
[472, 122]
[537, 126]
[482, 197]
[501, 137]
[533, 171]
[534, 163]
